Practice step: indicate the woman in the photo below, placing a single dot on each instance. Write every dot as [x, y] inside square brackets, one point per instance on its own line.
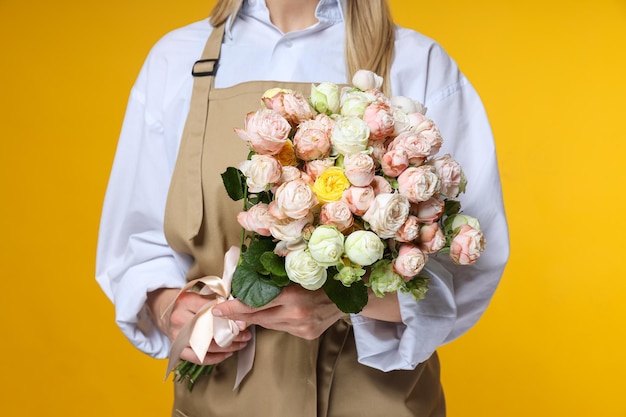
[310, 359]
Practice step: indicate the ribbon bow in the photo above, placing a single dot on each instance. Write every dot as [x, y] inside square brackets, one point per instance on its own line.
[204, 327]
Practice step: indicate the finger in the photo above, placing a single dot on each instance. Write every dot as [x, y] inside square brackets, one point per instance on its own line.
[233, 309]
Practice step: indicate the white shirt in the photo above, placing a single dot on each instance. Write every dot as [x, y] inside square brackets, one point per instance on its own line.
[133, 257]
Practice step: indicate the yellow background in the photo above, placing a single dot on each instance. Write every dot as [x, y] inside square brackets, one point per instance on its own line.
[551, 75]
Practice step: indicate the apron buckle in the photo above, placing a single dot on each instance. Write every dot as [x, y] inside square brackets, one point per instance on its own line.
[204, 67]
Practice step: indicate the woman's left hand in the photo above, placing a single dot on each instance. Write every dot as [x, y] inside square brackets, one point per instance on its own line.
[300, 312]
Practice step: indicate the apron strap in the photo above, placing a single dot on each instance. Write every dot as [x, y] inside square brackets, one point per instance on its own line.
[203, 71]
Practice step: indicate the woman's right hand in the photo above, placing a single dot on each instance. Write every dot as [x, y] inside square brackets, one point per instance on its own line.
[184, 309]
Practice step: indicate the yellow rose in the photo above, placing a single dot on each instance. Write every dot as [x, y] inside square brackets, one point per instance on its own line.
[330, 185]
[287, 155]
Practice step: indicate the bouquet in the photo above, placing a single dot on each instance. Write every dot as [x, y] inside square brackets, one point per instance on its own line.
[343, 191]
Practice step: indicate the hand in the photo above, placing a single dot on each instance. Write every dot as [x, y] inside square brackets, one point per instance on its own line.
[184, 309]
[300, 312]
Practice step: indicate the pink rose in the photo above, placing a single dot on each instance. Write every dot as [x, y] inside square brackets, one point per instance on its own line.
[381, 185]
[415, 145]
[426, 128]
[292, 105]
[293, 199]
[410, 261]
[387, 214]
[359, 169]
[467, 245]
[338, 214]
[358, 199]
[315, 168]
[452, 177]
[431, 238]
[377, 149]
[395, 162]
[290, 173]
[261, 171]
[419, 183]
[290, 230]
[311, 144]
[430, 210]
[257, 219]
[266, 131]
[409, 231]
[283, 247]
[379, 118]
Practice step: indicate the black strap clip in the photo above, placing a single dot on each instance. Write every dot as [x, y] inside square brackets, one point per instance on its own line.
[204, 67]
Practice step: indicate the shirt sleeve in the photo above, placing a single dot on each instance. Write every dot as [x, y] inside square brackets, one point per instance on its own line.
[133, 257]
[458, 295]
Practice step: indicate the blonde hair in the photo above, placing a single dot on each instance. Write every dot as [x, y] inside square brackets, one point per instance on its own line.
[369, 34]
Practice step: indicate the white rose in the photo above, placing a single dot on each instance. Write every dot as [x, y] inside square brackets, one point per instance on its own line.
[302, 269]
[408, 105]
[261, 171]
[363, 247]
[326, 245]
[325, 97]
[350, 135]
[354, 103]
[387, 214]
[366, 80]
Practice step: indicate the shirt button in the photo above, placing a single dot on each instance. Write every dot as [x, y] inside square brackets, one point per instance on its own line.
[288, 44]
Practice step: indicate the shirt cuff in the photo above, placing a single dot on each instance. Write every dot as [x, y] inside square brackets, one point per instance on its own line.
[425, 325]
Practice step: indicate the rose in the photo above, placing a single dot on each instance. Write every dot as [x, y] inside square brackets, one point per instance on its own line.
[410, 261]
[290, 104]
[315, 168]
[257, 219]
[311, 144]
[363, 247]
[383, 279]
[358, 199]
[419, 183]
[430, 210]
[467, 245]
[325, 97]
[379, 119]
[387, 214]
[302, 269]
[260, 171]
[359, 169]
[407, 105]
[431, 238]
[452, 178]
[366, 80]
[350, 135]
[353, 103]
[293, 199]
[289, 173]
[426, 128]
[381, 185]
[409, 231]
[457, 220]
[290, 230]
[287, 155]
[329, 186]
[338, 214]
[401, 121]
[266, 131]
[283, 247]
[417, 147]
[326, 245]
[395, 162]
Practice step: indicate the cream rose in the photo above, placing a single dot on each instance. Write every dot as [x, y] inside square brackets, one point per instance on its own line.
[290, 230]
[302, 269]
[366, 80]
[419, 183]
[363, 247]
[293, 199]
[387, 214]
[261, 172]
[407, 105]
[350, 135]
[326, 245]
[266, 131]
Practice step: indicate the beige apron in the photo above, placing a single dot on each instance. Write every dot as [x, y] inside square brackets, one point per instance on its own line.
[291, 377]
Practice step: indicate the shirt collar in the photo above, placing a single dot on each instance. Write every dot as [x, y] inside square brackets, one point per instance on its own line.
[327, 12]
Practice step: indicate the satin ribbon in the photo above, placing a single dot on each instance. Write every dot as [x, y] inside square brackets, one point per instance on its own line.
[204, 327]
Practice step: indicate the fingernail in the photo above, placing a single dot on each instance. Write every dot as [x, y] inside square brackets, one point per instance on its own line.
[241, 325]
[217, 313]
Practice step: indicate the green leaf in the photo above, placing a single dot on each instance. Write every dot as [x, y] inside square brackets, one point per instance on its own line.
[280, 281]
[274, 264]
[451, 207]
[350, 299]
[234, 182]
[256, 249]
[252, 288]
